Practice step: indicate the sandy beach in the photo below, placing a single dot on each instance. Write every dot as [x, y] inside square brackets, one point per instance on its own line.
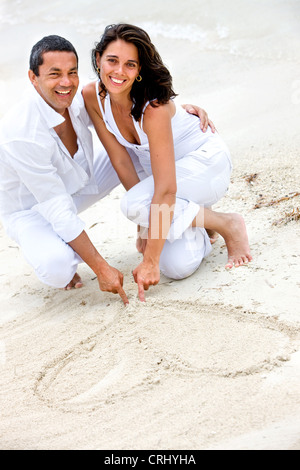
[210, 362]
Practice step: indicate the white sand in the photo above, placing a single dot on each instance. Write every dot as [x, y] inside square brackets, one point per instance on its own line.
[210, 362]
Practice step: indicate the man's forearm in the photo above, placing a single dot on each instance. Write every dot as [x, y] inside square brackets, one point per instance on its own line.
[83, 246]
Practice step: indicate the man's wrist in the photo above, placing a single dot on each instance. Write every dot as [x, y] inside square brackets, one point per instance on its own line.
[100, 266]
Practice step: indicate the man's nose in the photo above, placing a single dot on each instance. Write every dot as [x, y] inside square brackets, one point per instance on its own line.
[65, 80]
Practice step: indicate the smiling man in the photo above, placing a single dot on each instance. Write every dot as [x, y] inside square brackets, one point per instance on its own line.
[49, 174]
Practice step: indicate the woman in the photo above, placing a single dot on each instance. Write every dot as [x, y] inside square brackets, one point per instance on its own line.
[184, 170]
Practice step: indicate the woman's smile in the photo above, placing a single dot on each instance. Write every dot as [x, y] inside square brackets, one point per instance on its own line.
[117, 81]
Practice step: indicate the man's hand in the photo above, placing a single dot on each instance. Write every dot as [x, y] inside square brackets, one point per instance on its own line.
[202, 114]
[146, 275]
[111, 280]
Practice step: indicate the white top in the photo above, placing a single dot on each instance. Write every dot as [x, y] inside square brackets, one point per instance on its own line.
[37, 172]
[187, 134]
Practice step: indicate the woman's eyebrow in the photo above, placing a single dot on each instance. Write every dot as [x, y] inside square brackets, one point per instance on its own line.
[116, 57]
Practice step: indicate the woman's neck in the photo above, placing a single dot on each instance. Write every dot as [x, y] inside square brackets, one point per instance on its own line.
[122, 104]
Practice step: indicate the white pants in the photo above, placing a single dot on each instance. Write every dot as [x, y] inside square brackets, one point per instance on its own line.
[200, 182]
[202, 179]
[53, 260]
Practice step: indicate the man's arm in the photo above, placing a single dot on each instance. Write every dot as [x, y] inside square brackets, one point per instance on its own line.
[33, 164]
[202, 114]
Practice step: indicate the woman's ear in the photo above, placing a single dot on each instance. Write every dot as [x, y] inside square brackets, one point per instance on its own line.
[98, 59]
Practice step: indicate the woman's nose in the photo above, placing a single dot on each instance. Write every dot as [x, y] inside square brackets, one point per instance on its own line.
[119, 69]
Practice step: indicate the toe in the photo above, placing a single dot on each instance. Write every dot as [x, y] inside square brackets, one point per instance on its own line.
[229, 264]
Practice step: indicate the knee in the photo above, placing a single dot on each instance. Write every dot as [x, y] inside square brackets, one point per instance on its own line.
[57, 269]
[179, 269]
[180, 259]
[177, 264]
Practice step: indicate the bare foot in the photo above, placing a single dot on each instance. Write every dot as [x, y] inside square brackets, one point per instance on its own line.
[213, 236]
[236, 239]
[76, 282]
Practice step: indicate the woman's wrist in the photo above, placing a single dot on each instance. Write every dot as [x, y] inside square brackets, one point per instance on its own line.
[151, 257]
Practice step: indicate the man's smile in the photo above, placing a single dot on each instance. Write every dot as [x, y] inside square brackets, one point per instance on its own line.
[64, 93]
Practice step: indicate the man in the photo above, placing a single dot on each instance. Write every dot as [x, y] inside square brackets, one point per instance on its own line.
[48, 173]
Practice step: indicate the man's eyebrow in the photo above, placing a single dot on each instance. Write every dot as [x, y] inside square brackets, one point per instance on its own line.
[56, 69]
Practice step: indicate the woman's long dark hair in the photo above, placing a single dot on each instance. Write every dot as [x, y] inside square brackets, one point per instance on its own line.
[156, 81]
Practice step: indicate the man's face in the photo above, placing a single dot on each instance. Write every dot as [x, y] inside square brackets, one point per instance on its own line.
[58, 79]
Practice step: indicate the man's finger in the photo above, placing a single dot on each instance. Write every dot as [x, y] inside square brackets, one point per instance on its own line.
[212, 126]
[123, 296]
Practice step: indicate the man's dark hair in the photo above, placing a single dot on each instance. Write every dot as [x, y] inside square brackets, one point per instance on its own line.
[48, 44]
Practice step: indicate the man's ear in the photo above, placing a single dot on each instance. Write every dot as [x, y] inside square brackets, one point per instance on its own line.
[32, 77]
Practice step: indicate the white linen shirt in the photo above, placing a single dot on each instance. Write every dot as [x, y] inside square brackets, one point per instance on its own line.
[37, 173]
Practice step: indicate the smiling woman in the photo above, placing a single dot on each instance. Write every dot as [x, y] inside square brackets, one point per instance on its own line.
[142, 57]
[186, 171]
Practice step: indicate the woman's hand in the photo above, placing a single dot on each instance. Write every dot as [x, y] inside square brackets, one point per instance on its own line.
[145, 275]
[202, 114]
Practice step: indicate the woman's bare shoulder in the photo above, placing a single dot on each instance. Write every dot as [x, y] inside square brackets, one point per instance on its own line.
[89, 91]
[156, 110]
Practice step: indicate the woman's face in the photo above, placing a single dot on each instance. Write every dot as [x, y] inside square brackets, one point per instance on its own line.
[119, 66]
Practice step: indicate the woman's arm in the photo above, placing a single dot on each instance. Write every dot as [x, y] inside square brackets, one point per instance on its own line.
[118, 155]
[157, 125]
